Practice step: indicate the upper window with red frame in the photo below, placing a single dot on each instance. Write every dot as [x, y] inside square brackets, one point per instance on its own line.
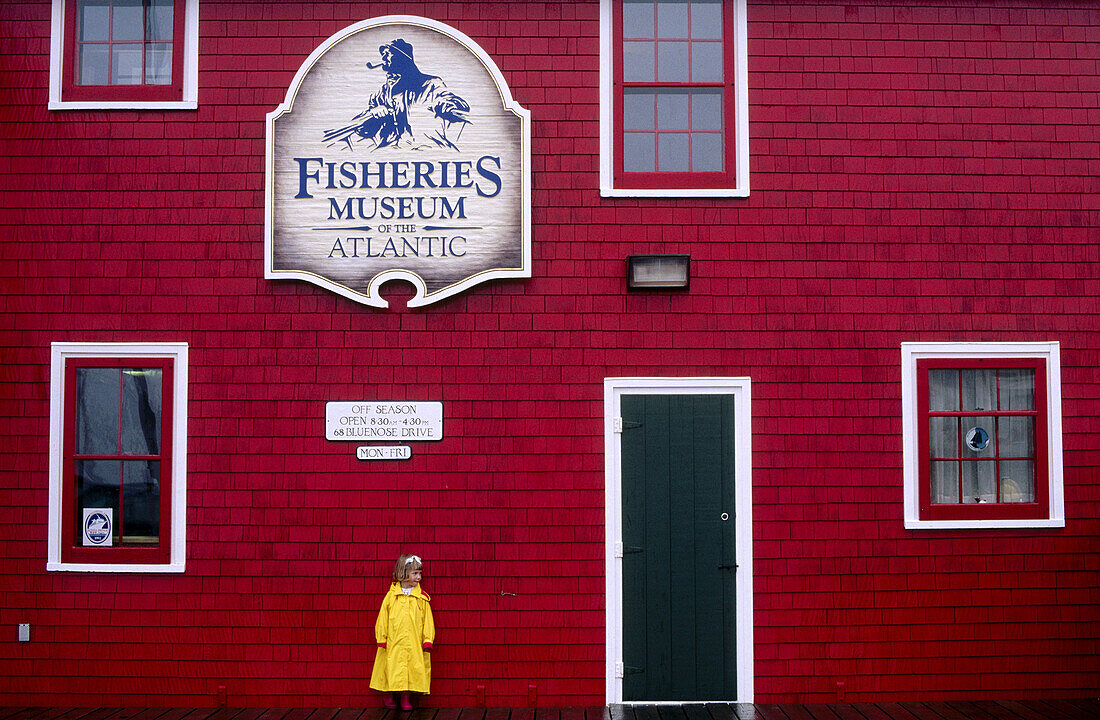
[124, 53]
[674, 119]
[982, 420]
[116, 482]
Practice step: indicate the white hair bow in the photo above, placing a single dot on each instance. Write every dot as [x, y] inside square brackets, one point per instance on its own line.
[413, 559]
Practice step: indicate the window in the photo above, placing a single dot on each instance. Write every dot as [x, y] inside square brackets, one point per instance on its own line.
[982, 435]
[674, 118]
[124, 54]
[117, 465]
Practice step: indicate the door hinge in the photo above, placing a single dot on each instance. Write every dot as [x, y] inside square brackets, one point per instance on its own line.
[618, 425]
[618, 670]
[620, 549]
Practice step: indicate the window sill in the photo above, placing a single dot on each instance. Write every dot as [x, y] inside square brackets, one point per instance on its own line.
[123, 105]
[673, 192]
[983, 524]
[175, 567]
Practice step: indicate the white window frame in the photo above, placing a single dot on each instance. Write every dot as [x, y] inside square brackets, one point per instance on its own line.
[190, 99]
[914, 351]
[741, 390]
[741, 114]
[59, 353]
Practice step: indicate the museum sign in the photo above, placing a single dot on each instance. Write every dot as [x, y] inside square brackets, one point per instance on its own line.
[398, 154]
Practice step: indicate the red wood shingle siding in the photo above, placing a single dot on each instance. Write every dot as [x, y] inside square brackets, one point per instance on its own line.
[919, 172]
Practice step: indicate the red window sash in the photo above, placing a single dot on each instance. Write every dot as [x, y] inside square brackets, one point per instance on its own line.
[71, 548]
[71, 91]
[983, 511]
[677, 180]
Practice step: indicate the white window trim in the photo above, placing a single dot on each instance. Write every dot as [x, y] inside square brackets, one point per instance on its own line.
[59, 353]
[910, 354]
[190, 99]
[741, 114]
[741, 390]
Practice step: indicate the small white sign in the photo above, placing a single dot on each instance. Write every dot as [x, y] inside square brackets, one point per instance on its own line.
[370, 420]
[98, 525]
[383, 452]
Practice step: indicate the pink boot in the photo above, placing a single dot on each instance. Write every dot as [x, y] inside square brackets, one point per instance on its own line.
[406, 704]
[387, 700]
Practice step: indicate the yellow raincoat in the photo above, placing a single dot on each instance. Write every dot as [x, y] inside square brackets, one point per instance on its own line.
[404, 626]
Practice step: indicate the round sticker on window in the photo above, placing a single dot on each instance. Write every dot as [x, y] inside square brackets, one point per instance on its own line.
[977, 439]
[97, 526]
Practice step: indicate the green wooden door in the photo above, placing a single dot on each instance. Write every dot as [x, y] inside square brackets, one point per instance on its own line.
[679, 620]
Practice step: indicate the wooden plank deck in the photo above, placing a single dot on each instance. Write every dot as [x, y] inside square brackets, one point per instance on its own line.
[1083, 709]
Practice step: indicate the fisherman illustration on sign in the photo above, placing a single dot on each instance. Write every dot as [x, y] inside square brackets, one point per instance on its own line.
[412, 110]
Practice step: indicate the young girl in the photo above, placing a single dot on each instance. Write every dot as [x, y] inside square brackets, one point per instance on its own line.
[405, 632]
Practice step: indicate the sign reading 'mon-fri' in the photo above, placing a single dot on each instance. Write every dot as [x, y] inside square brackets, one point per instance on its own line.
[384, 421]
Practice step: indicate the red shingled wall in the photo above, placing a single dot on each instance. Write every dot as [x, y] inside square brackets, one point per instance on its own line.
[918, 172]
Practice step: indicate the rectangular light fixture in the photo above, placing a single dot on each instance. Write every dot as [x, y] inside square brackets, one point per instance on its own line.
[646, 272]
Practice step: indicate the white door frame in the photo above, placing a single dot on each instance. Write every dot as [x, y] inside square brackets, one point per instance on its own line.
[740, 389]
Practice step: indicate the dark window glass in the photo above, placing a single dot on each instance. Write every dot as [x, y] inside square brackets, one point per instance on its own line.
[673, 68]
[124, 42]
[117, 464]
[981, 435]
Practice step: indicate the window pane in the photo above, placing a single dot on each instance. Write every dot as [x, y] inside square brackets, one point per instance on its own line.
[638, 61]
[672, 111]
[158, 21]
[93, 65]
[672, 19]
[943, 437]
[979, 481]
[943, 390]
[97, 411]
[706, 110]
[945, 482]
[141, 411]
[638, 152]
[978, 437]
[672, 152]
[979, 389]
[706, 152]
[95, 17]
[1017, 481]
[706, 62]
[672, 61]
[1017, 389]
[638, 20]
[141, 502]
[97, 486]
[706, 20]
[158, 64]
[638, 110]
[126, 64]
[1016, 436]
[127, 21]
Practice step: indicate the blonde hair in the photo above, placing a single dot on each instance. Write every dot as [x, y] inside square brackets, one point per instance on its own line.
[406, 564]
